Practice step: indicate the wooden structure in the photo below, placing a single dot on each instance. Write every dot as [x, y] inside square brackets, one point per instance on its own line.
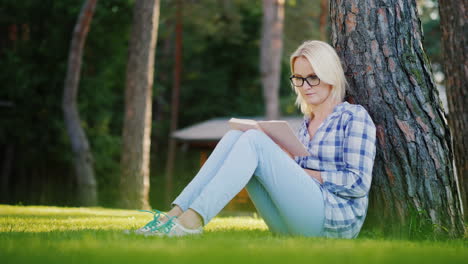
[205, 135]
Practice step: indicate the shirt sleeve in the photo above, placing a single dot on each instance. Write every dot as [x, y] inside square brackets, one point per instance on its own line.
[300, 135]
[354, 179]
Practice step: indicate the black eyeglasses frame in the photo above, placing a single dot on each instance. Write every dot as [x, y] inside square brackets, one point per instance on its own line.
[303, 79]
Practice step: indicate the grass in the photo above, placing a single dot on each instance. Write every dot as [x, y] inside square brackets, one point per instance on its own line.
[40, 234]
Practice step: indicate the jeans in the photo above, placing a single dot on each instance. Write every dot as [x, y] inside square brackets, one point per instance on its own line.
[285, 196]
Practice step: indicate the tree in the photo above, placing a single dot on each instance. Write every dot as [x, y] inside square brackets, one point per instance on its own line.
[414, 188]
[323, 19]
[82, 156]
[174, 102]
[134, 180]
[270, 54]
[455, 51]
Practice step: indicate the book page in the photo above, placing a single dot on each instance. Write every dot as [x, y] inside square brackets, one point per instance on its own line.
[243, 124]
[282, 134]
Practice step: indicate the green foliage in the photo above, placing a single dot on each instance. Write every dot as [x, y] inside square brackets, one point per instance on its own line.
[34, 76]
[429, 16]
[101, 100]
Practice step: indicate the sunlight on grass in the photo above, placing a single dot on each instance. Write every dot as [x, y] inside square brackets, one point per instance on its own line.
[94, 235]
[46, 219]
[236, 223]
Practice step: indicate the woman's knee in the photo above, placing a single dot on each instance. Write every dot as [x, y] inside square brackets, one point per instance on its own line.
[233, 133]
[253, 134]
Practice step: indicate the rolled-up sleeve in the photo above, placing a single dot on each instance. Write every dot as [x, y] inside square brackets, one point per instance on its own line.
[354, 179]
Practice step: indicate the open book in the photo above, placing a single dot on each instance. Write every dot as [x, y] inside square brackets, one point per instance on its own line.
[278, 130]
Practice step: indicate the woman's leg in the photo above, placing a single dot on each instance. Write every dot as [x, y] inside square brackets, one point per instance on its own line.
[265, 207]
[295, 194]
[208, 170]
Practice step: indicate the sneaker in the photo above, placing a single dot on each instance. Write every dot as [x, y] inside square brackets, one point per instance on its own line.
[152, 225]
[173, 228]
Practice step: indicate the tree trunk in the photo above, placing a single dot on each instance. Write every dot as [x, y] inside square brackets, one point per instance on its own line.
[323, 19]
[6, 173]
[174, 104]
[414, 191]
[134, 181]
[270, 54]
[453, 22]
[82, 156]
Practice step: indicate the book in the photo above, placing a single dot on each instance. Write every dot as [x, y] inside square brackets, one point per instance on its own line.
[278, 130]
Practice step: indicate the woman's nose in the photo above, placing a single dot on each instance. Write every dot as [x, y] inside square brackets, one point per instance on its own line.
[306, 86]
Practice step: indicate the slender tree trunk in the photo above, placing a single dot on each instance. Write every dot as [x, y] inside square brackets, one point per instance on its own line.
[82, 156]
[6, 173]
[414, 189]
[323, 19]
[134, 181]
[454, 22]
[270, 54]
[174, 104]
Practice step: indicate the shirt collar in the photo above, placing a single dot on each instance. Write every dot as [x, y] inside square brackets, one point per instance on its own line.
[337, 109]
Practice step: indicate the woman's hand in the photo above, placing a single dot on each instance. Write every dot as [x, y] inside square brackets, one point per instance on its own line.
[315, 174]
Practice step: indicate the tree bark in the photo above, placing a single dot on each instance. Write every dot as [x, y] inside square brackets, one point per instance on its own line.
[134, 181]
[453, 22]
[414, 191]
[82, 156]
[174, 104]
[270, 54]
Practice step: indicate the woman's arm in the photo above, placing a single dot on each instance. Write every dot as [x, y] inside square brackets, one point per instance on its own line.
[354, 178]
[313, 173]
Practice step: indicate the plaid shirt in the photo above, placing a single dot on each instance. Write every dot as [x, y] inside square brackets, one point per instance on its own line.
[343, 150]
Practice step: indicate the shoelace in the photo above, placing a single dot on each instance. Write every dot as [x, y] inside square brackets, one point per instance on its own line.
[153, 223]
[166, 227]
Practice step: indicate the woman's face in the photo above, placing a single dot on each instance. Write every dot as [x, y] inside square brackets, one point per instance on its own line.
[314, 95]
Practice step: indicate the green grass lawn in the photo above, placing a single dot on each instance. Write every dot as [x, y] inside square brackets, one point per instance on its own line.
[35, 234]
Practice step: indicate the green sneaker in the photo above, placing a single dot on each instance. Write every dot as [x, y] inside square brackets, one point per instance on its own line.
[152, 225]
[172, 228]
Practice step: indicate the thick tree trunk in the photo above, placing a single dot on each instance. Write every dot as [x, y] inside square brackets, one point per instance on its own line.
[83, 159]
[270, 54]
[453, 22]
[414, 191]
[134, 181]
[174, 104]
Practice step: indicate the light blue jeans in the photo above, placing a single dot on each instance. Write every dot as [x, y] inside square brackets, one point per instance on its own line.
[285, 196]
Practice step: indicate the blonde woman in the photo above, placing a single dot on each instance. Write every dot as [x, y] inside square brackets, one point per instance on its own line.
[324, 194]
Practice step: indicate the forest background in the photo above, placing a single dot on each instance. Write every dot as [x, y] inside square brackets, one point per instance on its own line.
[220, 78]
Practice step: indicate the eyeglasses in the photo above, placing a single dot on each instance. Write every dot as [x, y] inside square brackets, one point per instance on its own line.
[297, 81]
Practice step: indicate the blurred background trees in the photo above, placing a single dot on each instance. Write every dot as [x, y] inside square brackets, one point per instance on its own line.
[220, 61]
[86, 188]
[455, 53]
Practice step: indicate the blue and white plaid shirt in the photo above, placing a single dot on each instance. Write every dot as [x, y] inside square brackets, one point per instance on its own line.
[343, 150]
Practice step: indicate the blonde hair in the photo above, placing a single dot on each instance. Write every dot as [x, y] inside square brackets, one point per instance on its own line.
[327, 67]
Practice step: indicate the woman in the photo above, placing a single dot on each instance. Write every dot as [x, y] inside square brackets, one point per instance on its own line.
[324, 194]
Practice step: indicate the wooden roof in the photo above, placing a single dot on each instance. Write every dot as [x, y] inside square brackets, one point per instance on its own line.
[214, 129]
